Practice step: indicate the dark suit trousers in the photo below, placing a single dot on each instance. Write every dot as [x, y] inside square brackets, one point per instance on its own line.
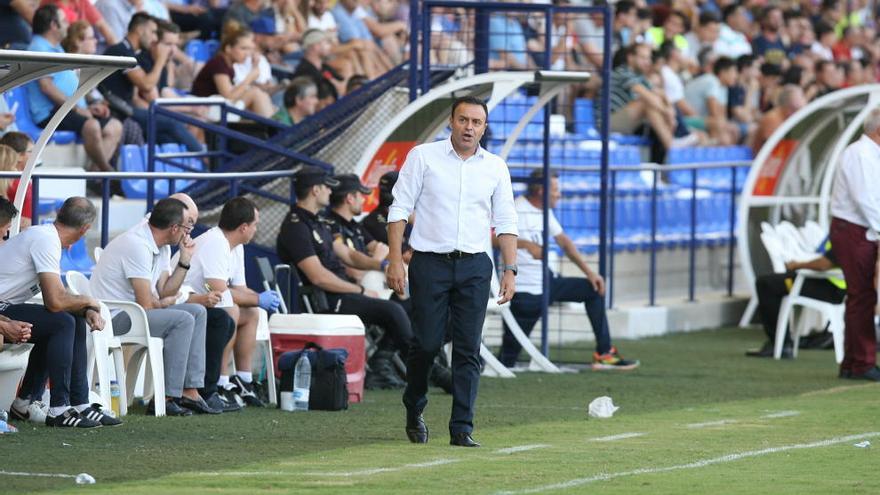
[455, 292]
[857, 257]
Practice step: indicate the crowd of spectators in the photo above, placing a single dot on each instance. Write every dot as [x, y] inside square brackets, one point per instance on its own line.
[268, 51]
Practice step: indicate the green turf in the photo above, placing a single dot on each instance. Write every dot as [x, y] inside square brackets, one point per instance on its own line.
[684, 379]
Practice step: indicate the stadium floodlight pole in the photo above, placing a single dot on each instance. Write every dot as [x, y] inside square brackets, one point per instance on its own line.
[605, 129]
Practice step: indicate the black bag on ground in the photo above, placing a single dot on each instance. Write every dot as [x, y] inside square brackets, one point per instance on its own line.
[329, 387]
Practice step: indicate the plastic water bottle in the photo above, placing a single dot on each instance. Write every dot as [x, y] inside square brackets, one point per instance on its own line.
[114, 397]
[302, 382]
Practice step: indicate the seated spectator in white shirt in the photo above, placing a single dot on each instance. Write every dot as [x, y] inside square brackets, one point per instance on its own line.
[733, 38]
[32, 265]
[131, 269]
[217, 267]
[707, 95]
[825, 40]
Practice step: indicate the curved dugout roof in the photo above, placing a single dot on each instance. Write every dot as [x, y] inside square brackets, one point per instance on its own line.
[792, 174]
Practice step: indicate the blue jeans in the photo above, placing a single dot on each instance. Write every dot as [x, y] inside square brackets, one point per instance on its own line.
[526, 309]
[59, 350]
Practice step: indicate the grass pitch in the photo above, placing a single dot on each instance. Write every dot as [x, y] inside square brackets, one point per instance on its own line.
[697, 417]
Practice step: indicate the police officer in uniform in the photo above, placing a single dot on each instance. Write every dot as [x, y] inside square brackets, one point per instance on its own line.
[306, 242]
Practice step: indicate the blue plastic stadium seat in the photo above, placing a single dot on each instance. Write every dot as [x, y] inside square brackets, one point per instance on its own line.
[211, 47]
[25, 122]
[133, 158]
[77, 258]
[195, 49]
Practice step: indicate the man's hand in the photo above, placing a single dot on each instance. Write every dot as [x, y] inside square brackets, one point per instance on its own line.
[163, 53]
[99, 110]
[15, 331]
[6, 119]
[210, 299]
[187, 246]
[94, 319]
[598, 283]
[269, 300]
[791, 266]
[508, 287]
[381, 251]
[395, 276]
[167, 301]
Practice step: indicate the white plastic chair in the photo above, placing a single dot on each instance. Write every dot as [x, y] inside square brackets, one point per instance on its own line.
[101, 345]
[832, 313]
[265, 345]
[13, 362]
[97, 253]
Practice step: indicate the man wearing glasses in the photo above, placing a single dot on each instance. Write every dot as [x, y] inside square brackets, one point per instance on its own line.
[132, 268]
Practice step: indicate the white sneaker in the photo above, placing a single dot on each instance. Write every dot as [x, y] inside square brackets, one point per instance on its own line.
[687, 141]
[35, 412]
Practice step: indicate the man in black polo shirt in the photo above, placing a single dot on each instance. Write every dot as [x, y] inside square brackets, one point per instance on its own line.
[306, 242]
[376, 222]
[121, 85]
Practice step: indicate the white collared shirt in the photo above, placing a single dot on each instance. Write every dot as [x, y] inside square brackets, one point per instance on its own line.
[133, 254]
[530, 278]
[214, 259]
[32, 252]
[456, 201]
[855, 196]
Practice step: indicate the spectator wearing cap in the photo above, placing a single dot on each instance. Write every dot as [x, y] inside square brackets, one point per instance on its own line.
[707, 95]
[300, 101]
[132, 268]
[769, 44]
[306, 242]
[58, 326]
[316, 51]
[733, 39]
[218, 75]
[791, 99]
[217, 278]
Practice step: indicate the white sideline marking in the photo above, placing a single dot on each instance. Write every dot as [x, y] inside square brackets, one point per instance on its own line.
[781, 414]
[720, 422]
[343, 474]
[693, 465]
[521, 448]
[37, 475]
[621, 436]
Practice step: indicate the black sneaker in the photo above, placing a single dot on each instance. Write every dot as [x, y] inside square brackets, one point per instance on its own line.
[198, 406]
[245, 391]
[171, 408]
[71, 419]
[229, 395]
[217, 401]
[94, 413]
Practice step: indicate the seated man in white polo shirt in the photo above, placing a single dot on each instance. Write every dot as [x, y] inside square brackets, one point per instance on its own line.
[218, 267]
[32, 265]
[130, 269]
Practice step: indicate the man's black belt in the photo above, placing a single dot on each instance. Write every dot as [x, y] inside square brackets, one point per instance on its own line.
[452, 255]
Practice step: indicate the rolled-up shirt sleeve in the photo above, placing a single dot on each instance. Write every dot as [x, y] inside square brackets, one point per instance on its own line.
[407, 188]
[504, 218]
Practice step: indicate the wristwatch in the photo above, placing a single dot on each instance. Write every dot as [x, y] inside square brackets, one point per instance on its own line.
[512, 268]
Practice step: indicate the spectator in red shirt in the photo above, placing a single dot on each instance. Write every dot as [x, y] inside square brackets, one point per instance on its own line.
[22, 147]
[75, 10]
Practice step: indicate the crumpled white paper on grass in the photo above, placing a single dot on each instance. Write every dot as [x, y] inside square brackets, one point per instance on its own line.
[602, 407]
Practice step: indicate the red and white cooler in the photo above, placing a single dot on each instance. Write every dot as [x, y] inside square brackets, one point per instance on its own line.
[293, 332]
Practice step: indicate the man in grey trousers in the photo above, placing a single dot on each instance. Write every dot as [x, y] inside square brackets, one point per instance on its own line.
[132, 268]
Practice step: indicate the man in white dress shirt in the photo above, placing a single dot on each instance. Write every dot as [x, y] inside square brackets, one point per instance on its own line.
[217, 269]
[855, 208]
[458, 192]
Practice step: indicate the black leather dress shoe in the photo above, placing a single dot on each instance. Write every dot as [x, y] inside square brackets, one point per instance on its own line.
[872, 375]
[416, 429]
[198, 406]
[463, 439]
[171, 409]
[766, 351]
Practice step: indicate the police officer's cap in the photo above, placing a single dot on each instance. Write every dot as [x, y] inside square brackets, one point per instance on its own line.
[311, 175]
[350, 183]
[386, 183]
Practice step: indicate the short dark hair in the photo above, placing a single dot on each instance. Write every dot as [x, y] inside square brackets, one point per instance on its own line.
[686, 22]
[139, 19]
[793, 75]
[237, 211]
[665, 50]
[166, 27]
[44, 17]
[16, 140]
[469, 100]
[536, 181]
[297, 89]
[730, 10]
[7, 212]
[76, 213]
[743, 62]
[166, 213]
[355, 82]
[820, 65]
[623, 6]
[301, 191]
[823, 28]
[722, 64]
[708, 17]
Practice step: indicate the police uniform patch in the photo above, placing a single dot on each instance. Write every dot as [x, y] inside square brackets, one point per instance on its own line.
[317, 237]
[294, 218]
[381, 218]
